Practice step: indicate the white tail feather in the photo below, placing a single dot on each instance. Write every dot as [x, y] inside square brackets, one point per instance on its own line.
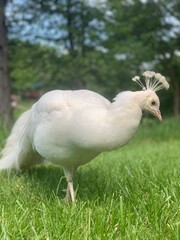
[18, 152]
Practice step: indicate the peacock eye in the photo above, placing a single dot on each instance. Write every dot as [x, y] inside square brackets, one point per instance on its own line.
[153, 103]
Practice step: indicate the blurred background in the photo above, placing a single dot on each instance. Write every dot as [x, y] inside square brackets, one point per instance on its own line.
[93, 44]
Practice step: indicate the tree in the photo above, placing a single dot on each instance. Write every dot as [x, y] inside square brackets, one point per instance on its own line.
[143, 33]
[72, 26]
[132, 29]
[5, 105]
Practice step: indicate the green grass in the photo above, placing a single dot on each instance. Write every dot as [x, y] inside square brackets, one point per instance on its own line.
[131, 193]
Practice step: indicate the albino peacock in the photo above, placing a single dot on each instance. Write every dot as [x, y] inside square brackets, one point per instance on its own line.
[70, 128]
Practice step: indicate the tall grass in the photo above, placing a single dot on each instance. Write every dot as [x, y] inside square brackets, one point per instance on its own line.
[130, 193]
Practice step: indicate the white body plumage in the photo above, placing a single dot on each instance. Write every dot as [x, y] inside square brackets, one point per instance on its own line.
[70, 128]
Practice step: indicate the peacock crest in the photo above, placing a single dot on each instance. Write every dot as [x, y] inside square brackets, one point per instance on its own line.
[153, 81]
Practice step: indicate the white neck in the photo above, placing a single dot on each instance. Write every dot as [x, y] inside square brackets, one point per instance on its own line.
[124, 116]
[112, 128]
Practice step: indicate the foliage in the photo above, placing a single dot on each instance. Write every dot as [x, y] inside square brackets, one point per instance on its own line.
[73, 25]
[32, 63]
[132, 193]
[133, 30]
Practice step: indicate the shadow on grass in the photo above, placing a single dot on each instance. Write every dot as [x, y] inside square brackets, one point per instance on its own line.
[49, 181]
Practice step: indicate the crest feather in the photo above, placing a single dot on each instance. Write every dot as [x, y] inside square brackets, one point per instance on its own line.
[153, 81]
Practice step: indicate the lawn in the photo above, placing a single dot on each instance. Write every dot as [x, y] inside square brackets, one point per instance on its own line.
[130, 193]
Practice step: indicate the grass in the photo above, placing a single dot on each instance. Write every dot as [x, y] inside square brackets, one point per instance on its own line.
[131, 193]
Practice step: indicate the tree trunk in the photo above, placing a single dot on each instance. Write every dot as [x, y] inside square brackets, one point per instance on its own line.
[5, 104]
[70, 28]
[176, 96]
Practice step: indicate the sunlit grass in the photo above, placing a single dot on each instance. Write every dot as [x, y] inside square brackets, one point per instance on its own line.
[131, 193]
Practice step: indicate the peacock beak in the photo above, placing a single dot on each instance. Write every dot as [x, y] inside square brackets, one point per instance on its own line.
[158, 115]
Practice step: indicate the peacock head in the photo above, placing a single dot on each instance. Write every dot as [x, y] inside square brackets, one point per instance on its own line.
[153, 83]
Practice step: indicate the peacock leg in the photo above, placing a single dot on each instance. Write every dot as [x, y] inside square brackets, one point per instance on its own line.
[70, 195]
[71, 191]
